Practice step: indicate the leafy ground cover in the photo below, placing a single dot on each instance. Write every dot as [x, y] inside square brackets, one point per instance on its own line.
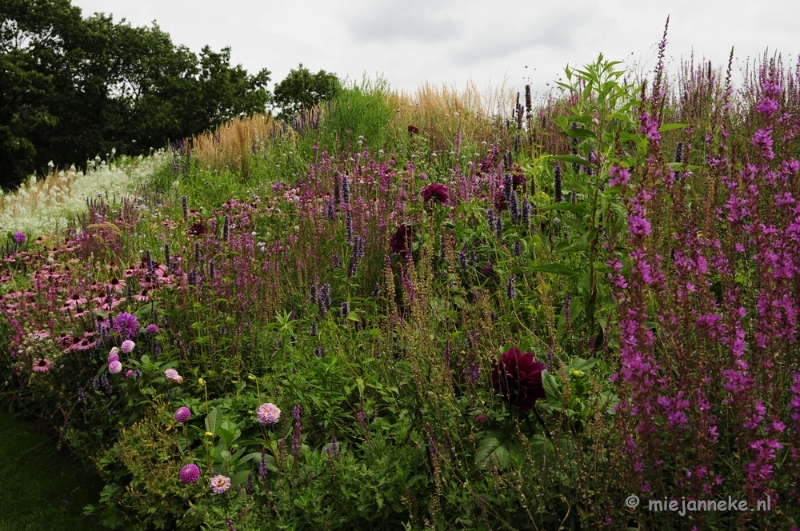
[52, 487]
[400, 313]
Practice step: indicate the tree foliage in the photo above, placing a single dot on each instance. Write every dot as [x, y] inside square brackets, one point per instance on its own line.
[73, 88]
[301, 90]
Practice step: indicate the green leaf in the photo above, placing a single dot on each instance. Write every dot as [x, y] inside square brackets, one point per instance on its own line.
[571, 158]
[551, 388]
[556, 269]
[239, 478]
[214, 420]
[581, 207]
[669, 127]
[493, 447]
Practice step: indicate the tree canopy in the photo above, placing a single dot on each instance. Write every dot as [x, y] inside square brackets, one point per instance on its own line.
[73, 88]
[301, 90]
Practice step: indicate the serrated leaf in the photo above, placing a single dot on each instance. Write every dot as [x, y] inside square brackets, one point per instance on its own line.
[551, 388]
[492, 446]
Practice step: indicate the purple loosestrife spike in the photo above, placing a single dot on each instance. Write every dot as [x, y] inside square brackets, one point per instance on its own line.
[508, 185]
[337, 262]
[151, 269]
[572, 197]
[462, 259]
[359, 247]
[313, 329]
[166, 255]
[330, 212]
[262, 467]
[376, 292]
[499, 224]
[490, 218]
[336, 187]
[349, 228]
[510, 291]
[314, 293]
[513, 206]
[185, 207]
[344, 309]
[517, 248]
[528, 102]
[197, 252]
[345, 189]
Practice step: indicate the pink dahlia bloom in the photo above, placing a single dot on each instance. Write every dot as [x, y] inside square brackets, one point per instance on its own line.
[127, 346]
[115, 367]
[182, 414]
[268, 414]
[190, 473]
[113, 357]
[173, 375]
[220, 484]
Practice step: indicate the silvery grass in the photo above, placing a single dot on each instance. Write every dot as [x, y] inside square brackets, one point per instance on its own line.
[43, 206]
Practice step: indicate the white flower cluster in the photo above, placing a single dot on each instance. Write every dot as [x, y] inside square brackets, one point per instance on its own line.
[39, 207]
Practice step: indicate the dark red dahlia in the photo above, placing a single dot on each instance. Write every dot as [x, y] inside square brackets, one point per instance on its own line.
[412, 129]
[401, 241]
[518, 377]
[435, 191]
[500, 202]
[198, 228]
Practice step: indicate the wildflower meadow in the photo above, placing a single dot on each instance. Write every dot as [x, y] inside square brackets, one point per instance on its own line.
[431, 311]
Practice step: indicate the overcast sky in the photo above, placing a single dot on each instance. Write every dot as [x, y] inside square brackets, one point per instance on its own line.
[409, 42]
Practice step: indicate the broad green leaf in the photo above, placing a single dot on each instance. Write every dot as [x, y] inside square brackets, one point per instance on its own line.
[572, 159]
[214, 420]
[493, 447]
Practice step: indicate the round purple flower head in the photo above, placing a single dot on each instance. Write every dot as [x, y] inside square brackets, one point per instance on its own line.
[115, 367]
[126, 325]
[151, 329]
[20, 238]
[190, 473]
[127, 346]
[268, 414]
[182, 414]
[220, 484]
[113, 357]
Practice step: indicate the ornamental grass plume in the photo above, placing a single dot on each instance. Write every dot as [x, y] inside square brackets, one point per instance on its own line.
[518, 378]
[190, 473]
[268, 414]
[220, 483]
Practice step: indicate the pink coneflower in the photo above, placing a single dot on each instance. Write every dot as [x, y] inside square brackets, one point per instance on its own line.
[81, 344]
[116, 285]
[142, 296]
[190, 473]
[41, 334]
[220, 484]
[42, 365]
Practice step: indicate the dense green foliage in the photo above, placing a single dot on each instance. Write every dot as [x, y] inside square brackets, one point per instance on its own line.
[301, 90]
[356, 322]
[75, 88]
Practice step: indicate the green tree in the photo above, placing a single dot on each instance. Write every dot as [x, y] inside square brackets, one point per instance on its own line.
[301, 90]
[74, 88]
